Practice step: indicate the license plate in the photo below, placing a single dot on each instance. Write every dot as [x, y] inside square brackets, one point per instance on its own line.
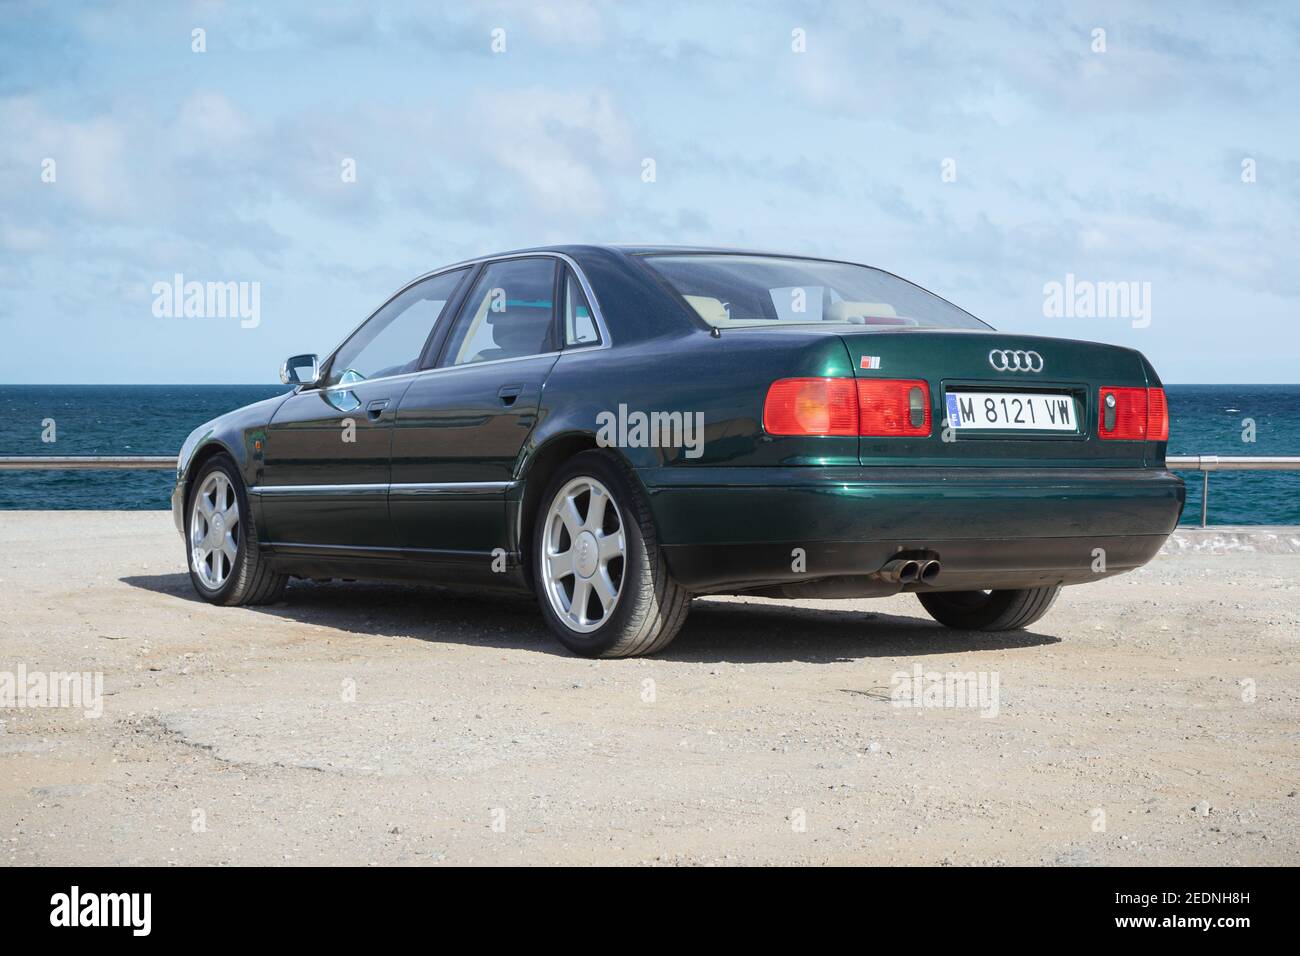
[1017, 411]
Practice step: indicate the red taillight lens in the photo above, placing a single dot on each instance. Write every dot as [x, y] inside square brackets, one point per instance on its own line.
[893, 406]
[1133, 414]
[811, 406]
[1122, 413]
[846, 406]
[1157, 415]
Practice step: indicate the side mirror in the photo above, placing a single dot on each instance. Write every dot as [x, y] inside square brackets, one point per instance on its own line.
[300, 370]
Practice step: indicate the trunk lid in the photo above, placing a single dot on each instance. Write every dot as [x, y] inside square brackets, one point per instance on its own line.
[1000, 399]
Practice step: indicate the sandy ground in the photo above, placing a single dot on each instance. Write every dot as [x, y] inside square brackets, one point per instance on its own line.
[1149, 719]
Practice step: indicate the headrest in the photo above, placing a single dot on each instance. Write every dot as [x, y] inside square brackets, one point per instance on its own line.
[711, 310]
[519, 332]
[842, 311]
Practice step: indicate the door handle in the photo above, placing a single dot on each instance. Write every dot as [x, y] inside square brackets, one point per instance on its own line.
[376, 408]
[509, 393]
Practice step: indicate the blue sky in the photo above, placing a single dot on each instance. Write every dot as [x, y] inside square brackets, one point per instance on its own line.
[1115, 166]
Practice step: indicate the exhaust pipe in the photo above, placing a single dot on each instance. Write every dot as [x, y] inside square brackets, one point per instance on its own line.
[929, 572]
[902, 571]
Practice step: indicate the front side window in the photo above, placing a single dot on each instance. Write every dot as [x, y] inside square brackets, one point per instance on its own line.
[736, 290]
[508, 314]
[393, 340]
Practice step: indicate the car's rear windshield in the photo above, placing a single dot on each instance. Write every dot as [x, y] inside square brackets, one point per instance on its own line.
[742, 290]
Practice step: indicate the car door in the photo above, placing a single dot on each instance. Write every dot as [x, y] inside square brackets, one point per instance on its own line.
[328, 450]
[460, 427]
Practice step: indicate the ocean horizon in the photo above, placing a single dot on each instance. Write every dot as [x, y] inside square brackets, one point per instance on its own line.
[154, 419]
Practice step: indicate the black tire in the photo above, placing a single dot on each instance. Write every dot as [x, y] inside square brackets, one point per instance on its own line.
[989, 610]
[651, 607]
[250, 579]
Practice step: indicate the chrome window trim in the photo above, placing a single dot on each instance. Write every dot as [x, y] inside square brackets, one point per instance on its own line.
[474, 263]
[457, 368]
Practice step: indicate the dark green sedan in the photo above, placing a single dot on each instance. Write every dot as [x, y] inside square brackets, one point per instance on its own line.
[619, 429]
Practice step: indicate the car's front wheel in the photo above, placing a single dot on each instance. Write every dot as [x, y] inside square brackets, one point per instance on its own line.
[600, 575]
[226, 566]
[989, 610]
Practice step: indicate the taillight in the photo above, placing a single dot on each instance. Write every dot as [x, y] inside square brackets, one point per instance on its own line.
[893, 406]
[846, 406]
[1133, 414]
[811, 406]
[1157, 415]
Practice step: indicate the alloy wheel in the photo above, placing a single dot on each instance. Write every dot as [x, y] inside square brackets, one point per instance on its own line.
[584, 554]
[214, 530]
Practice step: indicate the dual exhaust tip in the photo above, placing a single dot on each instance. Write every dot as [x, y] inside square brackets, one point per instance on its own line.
[912, 570]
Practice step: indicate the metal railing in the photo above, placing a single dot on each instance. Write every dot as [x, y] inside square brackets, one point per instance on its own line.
[85, 462]
[1202, 463]
[1208, 463]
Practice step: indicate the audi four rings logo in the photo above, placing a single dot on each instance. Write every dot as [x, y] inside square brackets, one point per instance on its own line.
[1005, 360]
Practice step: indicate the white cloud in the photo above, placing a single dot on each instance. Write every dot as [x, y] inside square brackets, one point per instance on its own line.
[208, 120]
[20, 239]
[562, 147]
[574, 21]
[90, 156]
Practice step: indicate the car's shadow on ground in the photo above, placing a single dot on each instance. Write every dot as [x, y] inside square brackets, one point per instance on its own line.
[715, 631]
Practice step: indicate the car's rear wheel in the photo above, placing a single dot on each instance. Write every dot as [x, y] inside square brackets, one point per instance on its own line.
[989, 610]
[600, 575]
[226, 566]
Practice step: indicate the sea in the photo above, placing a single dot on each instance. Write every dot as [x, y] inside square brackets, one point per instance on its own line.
[154, 420]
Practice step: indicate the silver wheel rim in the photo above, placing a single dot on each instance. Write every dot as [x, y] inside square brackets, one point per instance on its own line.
[584, 555]
[214, 530]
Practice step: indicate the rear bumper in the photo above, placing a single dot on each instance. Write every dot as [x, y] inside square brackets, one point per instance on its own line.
[737, 528]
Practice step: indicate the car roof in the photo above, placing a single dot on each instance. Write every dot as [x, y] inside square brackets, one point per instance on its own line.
[639, 249]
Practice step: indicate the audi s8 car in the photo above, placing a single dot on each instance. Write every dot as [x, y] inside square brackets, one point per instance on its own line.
[617, 430]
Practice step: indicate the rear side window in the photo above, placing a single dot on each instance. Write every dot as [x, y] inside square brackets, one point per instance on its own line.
[733, 290]
[579, 323]
[509, 313]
